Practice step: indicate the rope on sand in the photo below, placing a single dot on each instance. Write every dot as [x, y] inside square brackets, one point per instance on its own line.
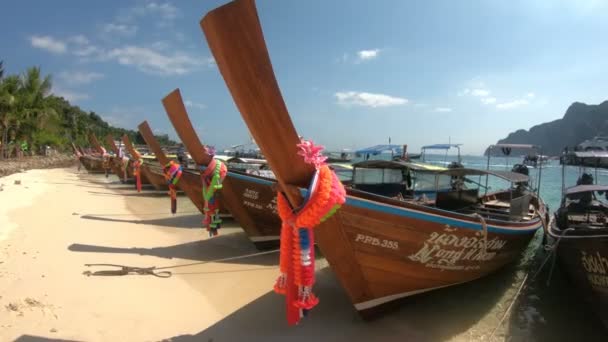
[126, 270]
[502, 319]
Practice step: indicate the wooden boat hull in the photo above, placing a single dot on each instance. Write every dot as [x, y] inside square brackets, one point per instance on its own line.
[250, 200]
[382, 252]
[585, 261]
[92, 164]
[118, 168]
[155, 176]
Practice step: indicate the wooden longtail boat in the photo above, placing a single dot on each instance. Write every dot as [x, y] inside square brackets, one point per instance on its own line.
[118, 163]
[251, 200]
[147, 173]
[380, 249]
[189, 183]
[93, 162]
[580, 232]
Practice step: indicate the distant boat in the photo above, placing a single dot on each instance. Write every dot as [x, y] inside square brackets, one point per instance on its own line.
[580, 231]
[442, 147]
[597, 143]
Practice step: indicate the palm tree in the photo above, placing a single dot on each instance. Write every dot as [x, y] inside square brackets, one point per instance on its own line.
[9, 87]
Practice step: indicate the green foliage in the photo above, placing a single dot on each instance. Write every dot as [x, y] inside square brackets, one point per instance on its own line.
[29, 112]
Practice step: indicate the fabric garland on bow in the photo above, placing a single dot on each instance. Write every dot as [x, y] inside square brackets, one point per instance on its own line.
[212, 177]
[297, 264]
[137, 173]
[173, 173]
[105, 160]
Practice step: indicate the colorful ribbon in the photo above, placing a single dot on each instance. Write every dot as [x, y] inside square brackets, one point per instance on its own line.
[137, 173]
[212, 177]
[325, 196]
[173, 173]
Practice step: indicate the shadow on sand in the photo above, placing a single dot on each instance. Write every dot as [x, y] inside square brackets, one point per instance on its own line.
[209, 250]
[32, 338]
[150, 193]
[181, 221]
[554, 312]
[434, 316]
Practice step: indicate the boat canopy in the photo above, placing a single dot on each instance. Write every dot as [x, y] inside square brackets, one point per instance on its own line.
[441, 146]
[246, 160]
[512, 177]
[397, 164]
[591, 154]
[222, 157]
[586, 188]
[341, 166]
[378, 149]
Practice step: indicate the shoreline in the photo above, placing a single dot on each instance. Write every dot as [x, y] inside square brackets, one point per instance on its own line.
[16, 165]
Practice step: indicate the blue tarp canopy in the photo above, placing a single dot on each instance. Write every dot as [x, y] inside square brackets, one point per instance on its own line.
[380, 149]
[440, 146]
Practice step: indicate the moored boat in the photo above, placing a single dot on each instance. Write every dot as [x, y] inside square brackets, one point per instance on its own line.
[147, 171]
[381, 249]
[119, 163]
[189, 182]
[580, 232]
[250, 199]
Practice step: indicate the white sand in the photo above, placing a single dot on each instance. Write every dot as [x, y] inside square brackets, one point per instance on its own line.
[44, 293]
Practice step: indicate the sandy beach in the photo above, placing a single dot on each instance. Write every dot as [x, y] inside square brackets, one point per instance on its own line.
[57, 220]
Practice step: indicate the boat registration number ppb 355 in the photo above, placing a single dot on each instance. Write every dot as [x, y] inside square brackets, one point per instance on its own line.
[374, 241]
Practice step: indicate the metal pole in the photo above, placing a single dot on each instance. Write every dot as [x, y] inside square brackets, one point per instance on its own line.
[488, 167]
[563, 176]
[540, 171]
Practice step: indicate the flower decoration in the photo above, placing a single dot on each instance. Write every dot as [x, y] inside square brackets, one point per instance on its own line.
[210, 150]
[311, 153]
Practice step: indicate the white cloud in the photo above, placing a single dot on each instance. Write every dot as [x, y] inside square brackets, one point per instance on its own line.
[365, 55]
[69, 95]
[488, 100]
[79, 77]
[512, 104]
[166, 10]
[480, 92]
[48, 43]
[191, 104]
[465, 91]
[155, 62]
[354, 98]
[79, 39]
[443, 109]
[530, 95]
[120, 29]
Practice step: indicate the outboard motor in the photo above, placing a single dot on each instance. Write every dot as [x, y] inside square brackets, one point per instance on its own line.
[457, 181]
[520, 168]
[585, 179]
[455, 165]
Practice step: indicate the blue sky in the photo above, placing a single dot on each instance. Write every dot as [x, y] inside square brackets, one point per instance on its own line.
[352, 73]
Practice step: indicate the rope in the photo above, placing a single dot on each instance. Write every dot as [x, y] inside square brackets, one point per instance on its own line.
[552, 249]
[502, 319]
[126, 270]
